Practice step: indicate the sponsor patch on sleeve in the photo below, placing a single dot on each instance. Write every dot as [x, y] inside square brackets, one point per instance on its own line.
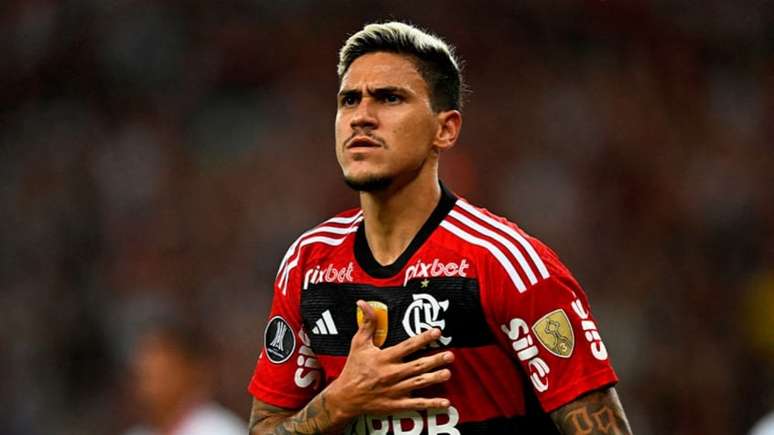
[279, 340]
[555, 333]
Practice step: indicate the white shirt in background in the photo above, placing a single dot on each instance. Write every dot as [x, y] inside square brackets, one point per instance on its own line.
[207, 419]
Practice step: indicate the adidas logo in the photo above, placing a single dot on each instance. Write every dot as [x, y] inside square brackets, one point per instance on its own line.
[325, 325]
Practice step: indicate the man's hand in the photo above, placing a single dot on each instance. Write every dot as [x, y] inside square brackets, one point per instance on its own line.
[377, 381]
[373, 381]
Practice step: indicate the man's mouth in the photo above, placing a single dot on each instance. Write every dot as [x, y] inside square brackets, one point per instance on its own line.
[363, 142]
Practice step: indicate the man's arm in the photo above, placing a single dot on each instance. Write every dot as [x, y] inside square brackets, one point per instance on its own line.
[596, 413]
[314, 418]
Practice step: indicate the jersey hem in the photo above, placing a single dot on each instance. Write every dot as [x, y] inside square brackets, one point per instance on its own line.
[600, 379]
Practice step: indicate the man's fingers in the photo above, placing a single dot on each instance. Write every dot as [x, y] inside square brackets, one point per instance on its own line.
[426, 363]
[419, 403]
[415, 343]
[366, 321]
[423, 380]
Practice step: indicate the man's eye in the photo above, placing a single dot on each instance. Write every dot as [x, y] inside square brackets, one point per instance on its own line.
[348, 100]
[391, 98]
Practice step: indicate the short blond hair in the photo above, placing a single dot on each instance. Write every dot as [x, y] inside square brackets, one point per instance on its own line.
[435, 59]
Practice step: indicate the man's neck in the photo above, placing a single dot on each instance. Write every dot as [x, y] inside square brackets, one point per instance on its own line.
[394, 218]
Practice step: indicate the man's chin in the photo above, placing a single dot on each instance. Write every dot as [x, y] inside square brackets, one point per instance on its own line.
[368, 184]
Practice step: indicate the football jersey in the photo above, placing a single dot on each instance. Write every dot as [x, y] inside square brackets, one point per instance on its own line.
[518, 323]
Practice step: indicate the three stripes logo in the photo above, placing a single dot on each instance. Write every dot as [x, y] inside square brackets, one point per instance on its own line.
[325, 325]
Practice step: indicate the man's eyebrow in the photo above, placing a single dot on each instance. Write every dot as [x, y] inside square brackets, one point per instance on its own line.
[349, 92]
[381, 90]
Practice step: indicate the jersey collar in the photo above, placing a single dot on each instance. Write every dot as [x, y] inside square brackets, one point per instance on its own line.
[365, 257]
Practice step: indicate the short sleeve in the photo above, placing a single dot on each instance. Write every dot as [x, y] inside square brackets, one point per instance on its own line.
[287, 374]
[549, 330]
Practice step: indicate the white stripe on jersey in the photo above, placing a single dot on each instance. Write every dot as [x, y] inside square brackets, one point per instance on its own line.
[318, 230]
[511, 232]
[316, 239]
[487, 232]
[498, 254]
[357, 217]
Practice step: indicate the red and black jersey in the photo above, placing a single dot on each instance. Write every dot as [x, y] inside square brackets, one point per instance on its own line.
[524, 339]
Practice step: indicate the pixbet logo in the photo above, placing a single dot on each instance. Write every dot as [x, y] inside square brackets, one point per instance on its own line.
[328, 274]
[598, 348]
[308, 372]
[422, 314]
[436, 268]
[438, 421]
[527, 351]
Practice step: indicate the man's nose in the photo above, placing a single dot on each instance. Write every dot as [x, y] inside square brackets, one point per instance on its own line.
[364, 116]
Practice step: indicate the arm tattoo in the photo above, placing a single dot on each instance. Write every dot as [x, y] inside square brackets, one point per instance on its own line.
[313, 419]
[598, 413]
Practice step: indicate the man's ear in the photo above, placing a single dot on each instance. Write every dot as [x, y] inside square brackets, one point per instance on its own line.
[449, 126]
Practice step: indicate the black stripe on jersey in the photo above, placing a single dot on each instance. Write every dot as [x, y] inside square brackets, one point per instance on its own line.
[462, 320]
[368, 263]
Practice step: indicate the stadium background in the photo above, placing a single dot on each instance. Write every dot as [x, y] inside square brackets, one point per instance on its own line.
[159, 156]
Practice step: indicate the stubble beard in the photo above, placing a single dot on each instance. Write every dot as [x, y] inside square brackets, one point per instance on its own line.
[373, 183]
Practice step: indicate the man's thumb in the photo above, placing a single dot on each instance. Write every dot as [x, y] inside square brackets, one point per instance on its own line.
[366, 321]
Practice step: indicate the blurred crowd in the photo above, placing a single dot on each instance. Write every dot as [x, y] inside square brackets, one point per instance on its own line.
[158, 157]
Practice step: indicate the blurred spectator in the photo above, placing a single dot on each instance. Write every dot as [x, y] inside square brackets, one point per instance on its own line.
[173, 382]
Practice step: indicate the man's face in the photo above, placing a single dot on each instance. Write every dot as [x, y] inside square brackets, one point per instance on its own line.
[385, 124]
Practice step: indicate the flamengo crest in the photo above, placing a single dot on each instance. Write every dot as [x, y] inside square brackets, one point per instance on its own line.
[422, 314]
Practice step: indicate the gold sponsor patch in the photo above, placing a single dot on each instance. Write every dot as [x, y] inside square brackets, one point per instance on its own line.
[555, 333]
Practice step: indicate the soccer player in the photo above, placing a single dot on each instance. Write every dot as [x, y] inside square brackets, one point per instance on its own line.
[420, 313]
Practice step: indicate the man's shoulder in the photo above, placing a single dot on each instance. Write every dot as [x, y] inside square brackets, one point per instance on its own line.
[482, 223]
[329, 234]
[500, 242]
[340, 225]
[484, 214]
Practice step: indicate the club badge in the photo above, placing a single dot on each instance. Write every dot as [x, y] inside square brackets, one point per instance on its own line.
[423, 314]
